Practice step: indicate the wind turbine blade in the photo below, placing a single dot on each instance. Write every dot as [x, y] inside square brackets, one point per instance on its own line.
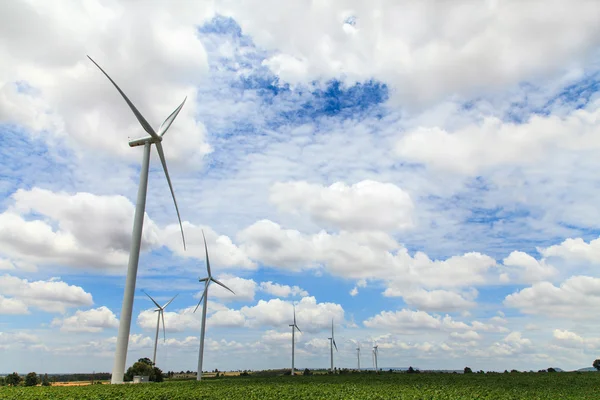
[157, 305]
[219, 283]
[161, 154]
[201, 297]
[162, 314]
[164, 127]
[165, 306]
[207, 260]
[297, 327]
[334, 345]
[138, 115]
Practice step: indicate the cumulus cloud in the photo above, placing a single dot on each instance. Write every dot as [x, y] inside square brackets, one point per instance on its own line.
[576, 297]
[493, 45]
[94, 320]
[435, 300]
[496, 143]
[169, 53]
[523, 268]
[361, 255]
[59, 232]
[366, 205]
[410, 321]
[575, 250]
[279, 290]
[310, 315]
[12, 306]
[222, 252]
[51, 296]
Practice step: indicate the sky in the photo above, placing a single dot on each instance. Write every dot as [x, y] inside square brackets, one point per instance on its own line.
[423, 173]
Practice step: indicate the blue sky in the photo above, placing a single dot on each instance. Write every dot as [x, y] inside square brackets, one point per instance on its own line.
[431, 187]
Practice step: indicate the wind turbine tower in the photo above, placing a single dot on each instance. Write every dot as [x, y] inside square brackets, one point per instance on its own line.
[332, 345]
[375, 352]
[358, 356]
[161, 315]
[294, 327]
[204, 297]
[155, 138]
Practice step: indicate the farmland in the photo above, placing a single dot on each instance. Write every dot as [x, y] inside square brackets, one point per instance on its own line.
[363, 386]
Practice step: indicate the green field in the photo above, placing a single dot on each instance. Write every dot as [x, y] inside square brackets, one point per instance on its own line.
[364, 386]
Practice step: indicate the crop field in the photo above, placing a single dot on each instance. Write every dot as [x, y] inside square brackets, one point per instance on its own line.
[363, 386]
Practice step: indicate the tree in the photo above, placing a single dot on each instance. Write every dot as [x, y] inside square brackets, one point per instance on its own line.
[13, 379]
[45, 380]
[596, 364]
[411, 370]
[307, 372]
[144, 367]
[468, 370]
[551, 370]
[2, 383]
[31, 379]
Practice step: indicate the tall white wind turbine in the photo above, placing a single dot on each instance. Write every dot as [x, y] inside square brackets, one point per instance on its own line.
[155, 138]
[375, 352]
[161, 315]
[332, 344]
[204, 297]
[294, 327]
[358, 356]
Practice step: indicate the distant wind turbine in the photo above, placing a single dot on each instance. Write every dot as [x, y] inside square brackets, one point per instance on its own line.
[375, 352]
[332, 344]
[294, 327]
[155, 138]
[358, 356]
[161, 314]
[204, 297]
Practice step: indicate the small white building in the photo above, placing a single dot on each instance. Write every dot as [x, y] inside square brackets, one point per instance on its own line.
[141, 379]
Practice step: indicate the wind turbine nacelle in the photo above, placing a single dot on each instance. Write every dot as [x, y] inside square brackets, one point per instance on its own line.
[143, 141]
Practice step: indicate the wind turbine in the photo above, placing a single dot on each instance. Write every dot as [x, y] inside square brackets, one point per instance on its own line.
[204, 296]
[358, 356]
[161, 314]
[375, 351]
[332, 344]
[155, 138]
[294, 327]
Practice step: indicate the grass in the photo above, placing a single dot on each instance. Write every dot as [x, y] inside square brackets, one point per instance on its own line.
[358, 386]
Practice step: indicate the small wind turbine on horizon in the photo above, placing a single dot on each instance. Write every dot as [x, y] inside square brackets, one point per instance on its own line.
[294, 327]
[204, 297]
[161, 315]
[358, 356]
[332, 344]
[375, 352]
[155, 138]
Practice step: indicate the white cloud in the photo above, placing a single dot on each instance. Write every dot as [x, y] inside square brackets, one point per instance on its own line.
[11, 306]
[221, 250]
[496, 143]
[577, 297]
[468, 335]
[572, 340]
[435, 300]
[366, 205]
[575, 249]
[354, 291]
[244, 288]
[51, 296]
[410, 321]
[527, 269]
[361, 255]
[478, 46]
[60, 231]
[279, 290]
[169, 53]
[310, 315]
[94, 320]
